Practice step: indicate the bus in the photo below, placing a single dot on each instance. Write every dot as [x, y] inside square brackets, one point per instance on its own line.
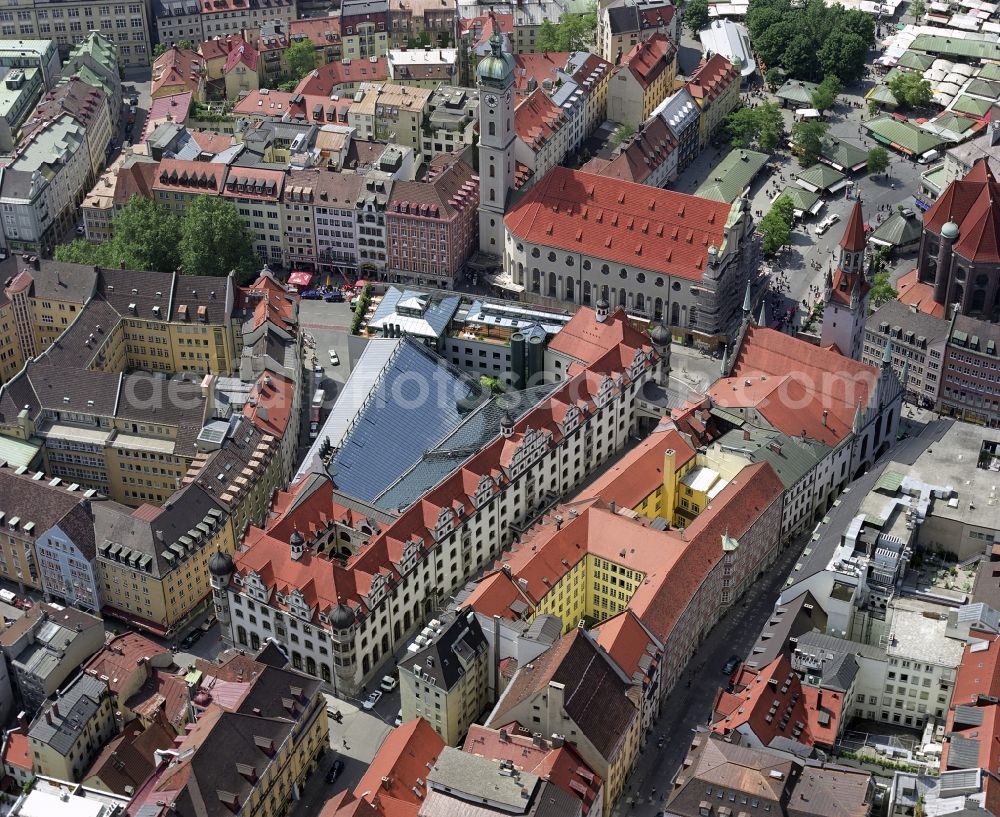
[317, 406]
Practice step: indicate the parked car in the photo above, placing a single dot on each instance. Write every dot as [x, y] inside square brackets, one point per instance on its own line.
[311, 295]
[335, 297]
[335, 770]
[334, 358]
[133, 100]
[389, 683]
[399, 718]
[80, 230]
[191, 639]
[827, 223]
[730, 666]
[372, 699]
[3, 254]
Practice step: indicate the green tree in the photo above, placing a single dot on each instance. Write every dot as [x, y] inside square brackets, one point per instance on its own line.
[159, 49]
[301, 56]
[917, 9]
[492, 384]
[873, 108]
[810, 40]
[882, 290]
[775, 78]
[807, 137]
[776, 226]
[761, 126]
[146, 237]
[696, 16]
[82, 251]
[624, 132]
[214, 240]
[826, 93]
[190, 46]
[573, 32]
[911, 90]
[547, 36]
[878, 160]
[844, 53]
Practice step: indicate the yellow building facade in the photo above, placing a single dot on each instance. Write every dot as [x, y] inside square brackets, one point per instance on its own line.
[153, 562]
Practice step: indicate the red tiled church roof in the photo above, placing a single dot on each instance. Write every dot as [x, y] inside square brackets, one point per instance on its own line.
[973, 203]
[626, 223]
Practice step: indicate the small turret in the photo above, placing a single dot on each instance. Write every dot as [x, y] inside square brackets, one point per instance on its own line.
[762, 320]
[506, 425]
[297, 543]
[602, 308]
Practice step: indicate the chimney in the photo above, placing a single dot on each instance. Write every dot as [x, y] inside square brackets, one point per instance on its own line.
[556, 704]
[826, 413]
[55, 709]
[22, 720]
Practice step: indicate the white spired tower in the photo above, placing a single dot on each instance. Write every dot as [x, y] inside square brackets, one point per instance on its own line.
[846, 292]
[496, 143]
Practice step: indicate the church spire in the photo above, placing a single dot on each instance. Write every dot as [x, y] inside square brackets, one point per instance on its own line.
[853, 239]
[762, 320]
[747, 305]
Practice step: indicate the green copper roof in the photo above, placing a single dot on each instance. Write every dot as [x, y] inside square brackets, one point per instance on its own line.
[498, 66]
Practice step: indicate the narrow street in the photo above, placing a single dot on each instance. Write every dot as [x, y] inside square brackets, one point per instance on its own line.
[688, 706]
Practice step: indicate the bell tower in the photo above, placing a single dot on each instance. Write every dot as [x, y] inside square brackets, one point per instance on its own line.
[846, 292]
[495, 73]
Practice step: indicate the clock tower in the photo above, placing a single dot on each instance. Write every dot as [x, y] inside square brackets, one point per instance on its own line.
[496, 143]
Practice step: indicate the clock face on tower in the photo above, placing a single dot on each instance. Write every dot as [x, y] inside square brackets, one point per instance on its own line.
[491, 100]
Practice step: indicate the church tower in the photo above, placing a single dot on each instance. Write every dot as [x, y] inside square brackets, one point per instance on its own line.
[496, 142]
[846, 291]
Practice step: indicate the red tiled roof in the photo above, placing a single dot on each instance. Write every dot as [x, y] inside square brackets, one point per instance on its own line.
[211, 142]
[844, 283]
[17, 752]
[973, 203]
[562, 766]
[449, 188]
[646, 152]
[650, 58]
[853, 239]
[630, 644]
[711, 78]
[769, 703]
[791, 383]
[597, 698]
[215, 48]
[254, 183]
[405, 755]
[537, 119]
[135, 180]
[323, 583]
[979, 672]
[121, 657]
[327, 79]
[271, 408]
[278, 104]
[345, 804]
[175, 106]
[917, 294]
[626, 223]
[185, 174]
[163, 696]
[242, 54]
[323, 31]
[178, 67]
[483, 26]
[539, 67]
[636, 475]
[587, 340]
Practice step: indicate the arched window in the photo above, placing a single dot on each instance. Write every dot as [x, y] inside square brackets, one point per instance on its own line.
[493, 128]
[241, 634]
